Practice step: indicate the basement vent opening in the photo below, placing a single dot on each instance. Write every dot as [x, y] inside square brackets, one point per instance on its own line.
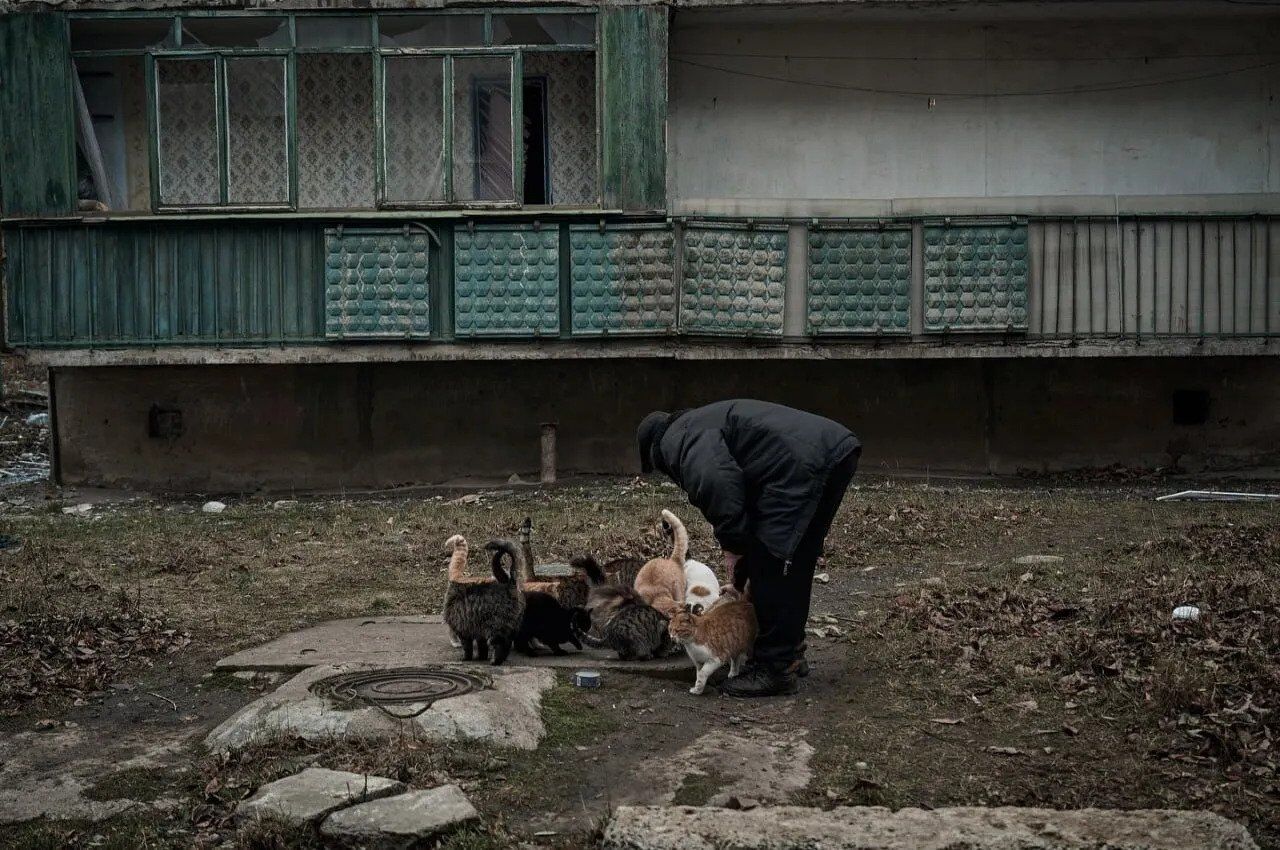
[164, 423]
[1190, 407]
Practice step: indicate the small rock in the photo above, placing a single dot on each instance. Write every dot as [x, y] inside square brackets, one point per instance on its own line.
[861, 765]
[284, 504]
[80, 509]
[822, 578]
[516, 479]
[1026, 577]
[315, 792]
[743, 804]
[1036, 560]
[404, 820]
[213, 507]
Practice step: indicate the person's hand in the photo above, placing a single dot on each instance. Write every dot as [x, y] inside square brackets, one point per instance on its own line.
[731, 560]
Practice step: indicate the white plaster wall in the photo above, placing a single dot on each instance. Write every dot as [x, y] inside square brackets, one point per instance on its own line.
[734, 136]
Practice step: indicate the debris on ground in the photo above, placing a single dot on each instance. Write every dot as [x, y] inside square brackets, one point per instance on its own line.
[213, 507]
[77, 656]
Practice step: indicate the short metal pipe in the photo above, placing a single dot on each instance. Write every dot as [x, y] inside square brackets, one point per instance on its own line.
[548, 453]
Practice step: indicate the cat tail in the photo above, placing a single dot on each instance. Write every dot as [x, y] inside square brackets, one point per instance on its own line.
[680, 545]
[500, 548]
[457, 546]
[591, 567]
[590, 639]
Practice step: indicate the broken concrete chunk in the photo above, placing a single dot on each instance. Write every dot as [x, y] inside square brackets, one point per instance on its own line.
[213, 507]
[315, 792]
[405, 820]
[1037, 560]
[876, 828]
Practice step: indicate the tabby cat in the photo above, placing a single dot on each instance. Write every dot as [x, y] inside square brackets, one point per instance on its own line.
[488, 613]
[623, 621]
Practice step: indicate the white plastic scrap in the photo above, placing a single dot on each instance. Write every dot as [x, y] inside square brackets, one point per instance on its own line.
[1218, 496]
[1186, 612]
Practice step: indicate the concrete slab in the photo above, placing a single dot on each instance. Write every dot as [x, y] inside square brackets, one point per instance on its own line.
[315, 792]
[406, 820]
[508, 713]
[874, 828]
[756, 764]
[408, 642]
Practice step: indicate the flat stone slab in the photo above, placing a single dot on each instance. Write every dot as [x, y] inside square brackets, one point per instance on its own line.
[315, 792]
[875, 828]
[409, 642]
[508, 713]
[405, 820]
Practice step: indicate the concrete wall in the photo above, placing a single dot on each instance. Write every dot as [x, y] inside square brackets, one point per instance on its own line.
[735, 135]
[375, 425]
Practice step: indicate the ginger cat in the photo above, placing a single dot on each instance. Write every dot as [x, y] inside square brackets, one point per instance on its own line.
[660, 582]
[723, 633]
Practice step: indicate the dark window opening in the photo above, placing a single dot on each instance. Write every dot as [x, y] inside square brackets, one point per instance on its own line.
[1190, 407]
[536, 184]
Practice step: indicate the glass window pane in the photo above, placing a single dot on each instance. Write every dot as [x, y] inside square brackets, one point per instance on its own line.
[544, 29]
[335, 130]
[235, 32]
[115, 96]
[568, 124]
[257, 152]
[121, 34]
[482, 163]
[188, 131]
[334, 32]
[414, 127]
[430, 30]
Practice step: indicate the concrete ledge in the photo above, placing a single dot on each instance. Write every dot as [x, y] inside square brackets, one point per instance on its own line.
[953, 348]
[874, 828]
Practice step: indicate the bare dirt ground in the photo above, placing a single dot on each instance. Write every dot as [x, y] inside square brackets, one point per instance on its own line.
[945, 673]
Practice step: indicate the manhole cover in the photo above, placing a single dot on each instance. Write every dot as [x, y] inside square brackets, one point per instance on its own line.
[418, 685]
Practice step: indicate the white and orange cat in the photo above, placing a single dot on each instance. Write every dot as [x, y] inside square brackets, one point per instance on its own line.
[719, 635]
[660, 582]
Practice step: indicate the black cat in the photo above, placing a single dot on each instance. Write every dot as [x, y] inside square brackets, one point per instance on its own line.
[549, 623]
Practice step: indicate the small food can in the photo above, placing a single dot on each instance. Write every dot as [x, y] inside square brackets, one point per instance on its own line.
[586, 679]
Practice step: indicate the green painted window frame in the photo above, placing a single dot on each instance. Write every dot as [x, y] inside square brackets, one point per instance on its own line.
[379, 55]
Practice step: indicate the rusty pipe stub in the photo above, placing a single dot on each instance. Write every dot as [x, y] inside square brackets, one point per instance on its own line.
[548, 452]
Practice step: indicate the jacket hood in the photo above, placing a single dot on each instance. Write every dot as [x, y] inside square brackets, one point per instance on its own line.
[648, 435]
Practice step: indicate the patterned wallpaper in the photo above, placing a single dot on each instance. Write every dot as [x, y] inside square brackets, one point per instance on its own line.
[257, 150]
[188, 132]
[571, 92]
[415, 116]
[335, 131]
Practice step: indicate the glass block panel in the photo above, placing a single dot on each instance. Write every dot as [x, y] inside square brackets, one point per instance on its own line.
[859, 281]
[414, 127]
[121, 34]
[431, 30]
[377, 284]
[623, 279]
[975, 277]
[255, 31]
[571, 121]
[257, 149]
[734, 280]
[335, 131]
[325, 31]
[544, 29]
[506, 281]
[186, 103]
[483, 168]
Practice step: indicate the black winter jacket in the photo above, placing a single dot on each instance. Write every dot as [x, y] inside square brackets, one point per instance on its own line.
[755, 469]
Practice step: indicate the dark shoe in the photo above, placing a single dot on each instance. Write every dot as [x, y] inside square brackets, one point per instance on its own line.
[762, 681]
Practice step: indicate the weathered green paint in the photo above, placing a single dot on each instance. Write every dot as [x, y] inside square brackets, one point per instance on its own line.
[377, 283]
[154, 284]
[734, 280]
[623, 279]
[633, 71]
[506, 281]
[37, 122]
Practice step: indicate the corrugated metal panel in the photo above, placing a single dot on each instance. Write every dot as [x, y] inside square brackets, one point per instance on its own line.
[506, 281]
[1154, 277]
[623, 279]
[377, 284]
[633, 72]
[37, 123]
[860, 281]
[975, 277]
[164, 283]
[734, 280]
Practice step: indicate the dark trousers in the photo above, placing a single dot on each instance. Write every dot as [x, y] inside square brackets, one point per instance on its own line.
[780, 592]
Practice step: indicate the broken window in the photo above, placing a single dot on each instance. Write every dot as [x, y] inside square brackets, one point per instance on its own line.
[338, 110]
